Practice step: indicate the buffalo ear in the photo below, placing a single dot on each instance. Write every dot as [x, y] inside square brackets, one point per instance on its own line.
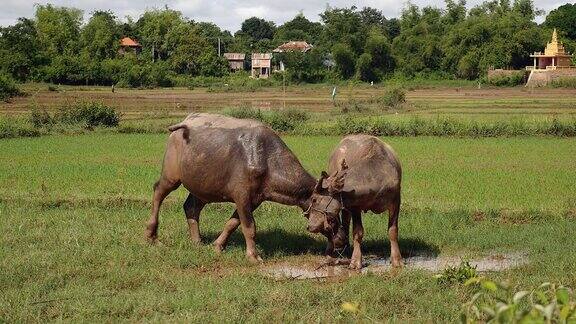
[318, 187]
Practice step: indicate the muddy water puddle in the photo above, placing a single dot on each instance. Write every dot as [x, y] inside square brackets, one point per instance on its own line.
[494, 262]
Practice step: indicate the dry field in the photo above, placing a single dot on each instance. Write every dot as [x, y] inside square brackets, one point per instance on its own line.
[455, 102]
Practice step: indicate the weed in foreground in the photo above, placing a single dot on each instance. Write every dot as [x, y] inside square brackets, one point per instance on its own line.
[499, 303]
[457, 275]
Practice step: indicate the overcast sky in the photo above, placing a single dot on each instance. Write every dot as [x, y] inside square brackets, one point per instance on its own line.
[229, 14]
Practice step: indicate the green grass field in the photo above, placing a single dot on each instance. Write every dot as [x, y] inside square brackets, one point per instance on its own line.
[73, 209]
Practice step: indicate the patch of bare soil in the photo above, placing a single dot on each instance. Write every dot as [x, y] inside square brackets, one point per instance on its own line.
[494, 262]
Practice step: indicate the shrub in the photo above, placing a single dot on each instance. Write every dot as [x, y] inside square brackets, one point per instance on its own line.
[88, 113]
[507, 80]
[498, 303]
[393, 98]
[39, 117]
[281, 121]
[244, 113]
[8, 88]
[12, 127]
[352, 105]
[295, 115]
[457, 275]
[564, 83]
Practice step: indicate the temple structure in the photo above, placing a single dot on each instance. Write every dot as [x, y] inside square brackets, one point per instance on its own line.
[554, 56]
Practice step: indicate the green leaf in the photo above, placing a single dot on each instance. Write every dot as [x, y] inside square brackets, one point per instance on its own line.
[472, 281]
[489, 285]
[563, 295]
[542, 297]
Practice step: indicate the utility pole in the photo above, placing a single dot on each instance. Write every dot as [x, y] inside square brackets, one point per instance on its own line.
[218, 46]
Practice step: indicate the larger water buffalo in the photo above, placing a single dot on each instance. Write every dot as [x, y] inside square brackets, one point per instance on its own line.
[223, 159]
[365, 175]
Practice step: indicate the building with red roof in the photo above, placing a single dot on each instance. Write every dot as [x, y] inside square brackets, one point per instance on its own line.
[128, 45]
[294, 46]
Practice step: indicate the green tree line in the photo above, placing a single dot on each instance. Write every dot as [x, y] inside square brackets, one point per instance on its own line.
[58, 46]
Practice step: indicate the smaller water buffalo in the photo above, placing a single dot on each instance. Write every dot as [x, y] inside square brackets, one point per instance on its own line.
[365, 175]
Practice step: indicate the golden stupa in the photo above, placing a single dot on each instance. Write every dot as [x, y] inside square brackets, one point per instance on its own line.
[554, 56]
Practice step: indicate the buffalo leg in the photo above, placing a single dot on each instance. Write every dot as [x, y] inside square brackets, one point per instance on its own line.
[161, 189]
[341, 238]
[231, 225]
[249, 230]
[357, 235]
[192, 208]
[229, 228]
[395, 255]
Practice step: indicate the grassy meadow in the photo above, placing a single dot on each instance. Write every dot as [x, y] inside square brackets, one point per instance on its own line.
[73, 209]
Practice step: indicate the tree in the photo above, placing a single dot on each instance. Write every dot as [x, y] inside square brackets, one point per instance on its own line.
[564, 19]
[418, 47]
[344, 26]
[455, 11]
[258, 28]
[526, 9]
[392, 28]
[344, 59]
[212, 33]
[101, 36]
[304, 67]
[213, 65]
[58, 29]
[495, 36]
[153, 27]
[371, 17]
[380, 51]
[365, 70]
[184, 46]
[19, 50]
[299, 28]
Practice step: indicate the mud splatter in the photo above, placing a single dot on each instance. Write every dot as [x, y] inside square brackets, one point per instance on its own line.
[494, 262]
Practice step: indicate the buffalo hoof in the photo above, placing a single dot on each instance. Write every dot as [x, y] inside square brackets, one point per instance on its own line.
[150, 237]
[397, 263]
[254, 258]
[340, 244]
[218, 248]
[355, 264]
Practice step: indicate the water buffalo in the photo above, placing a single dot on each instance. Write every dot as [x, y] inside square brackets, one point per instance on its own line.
[365, 175]
[223, 159]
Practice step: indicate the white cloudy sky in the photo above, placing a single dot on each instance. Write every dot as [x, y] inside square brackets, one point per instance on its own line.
[229, 14]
